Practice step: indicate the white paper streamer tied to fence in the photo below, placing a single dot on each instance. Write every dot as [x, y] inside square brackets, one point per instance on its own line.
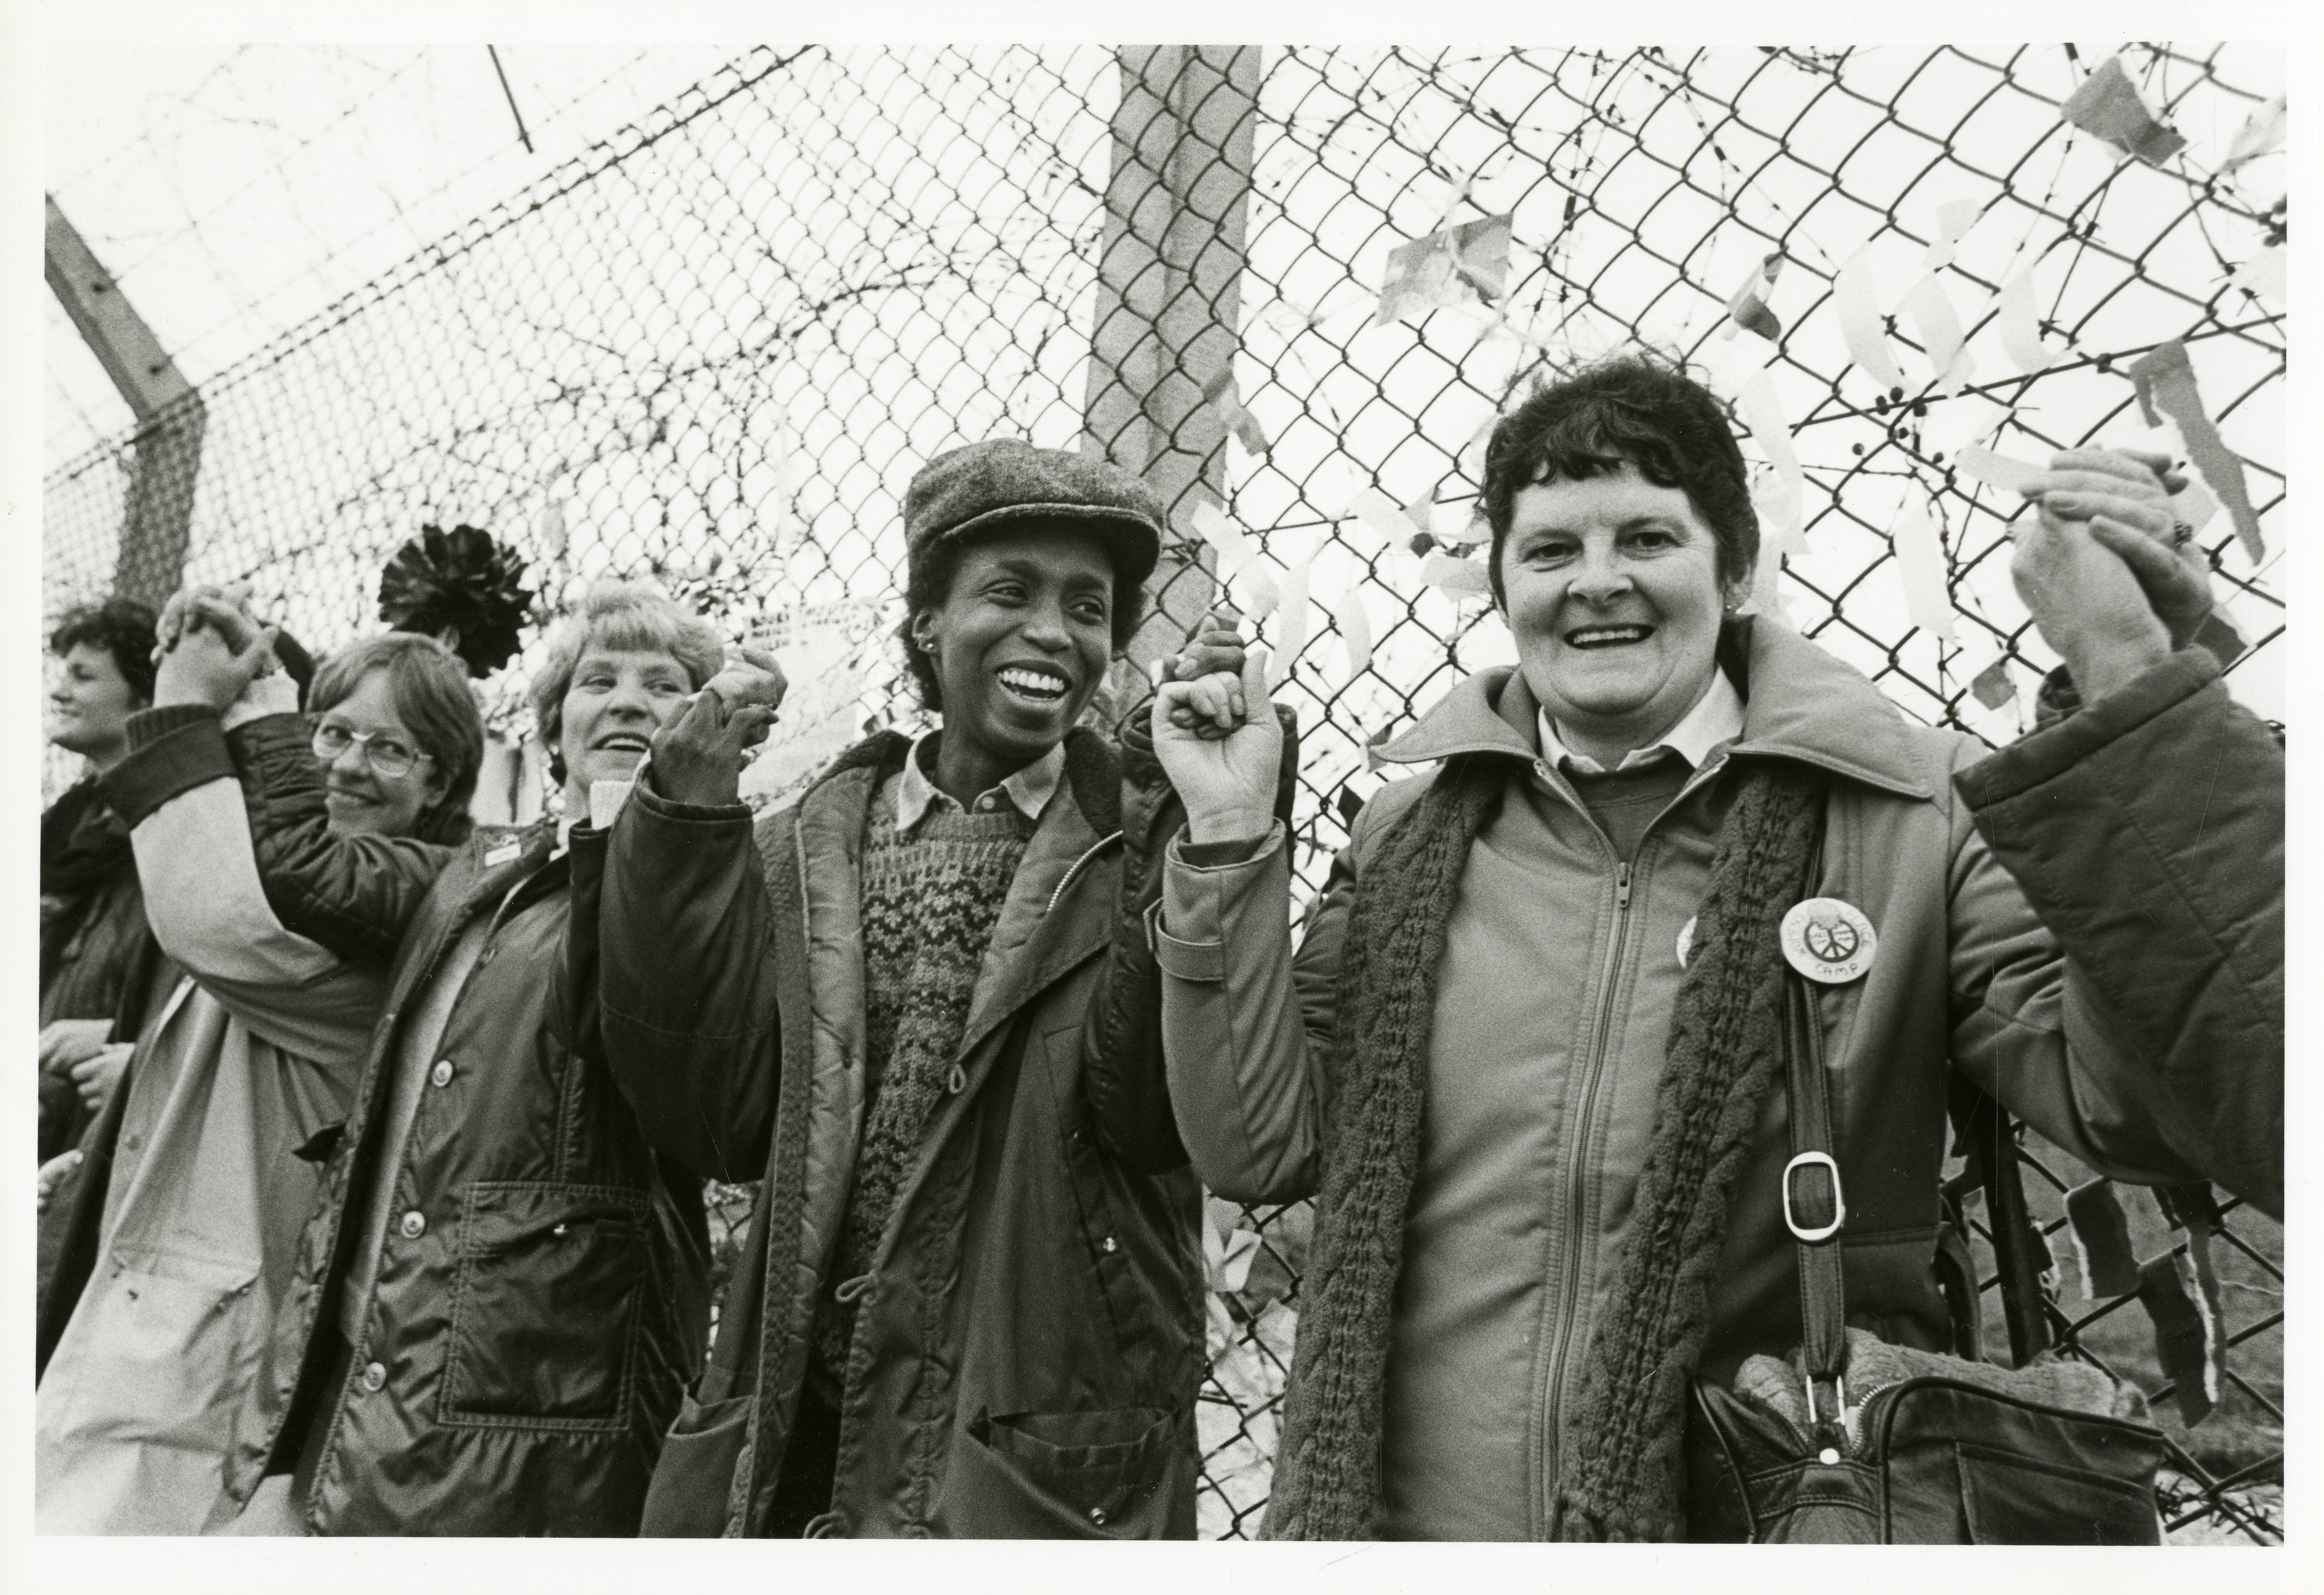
[1954, 219]
[1857, 297]
[1384, 516]
[2108, 105]
[2264, 274]
[1921, 562]
[1258, 589]
[1939, 324]
[1780, 500]
[1290, 623]
[1225, 537]
[2262, 133]
[1354, 621]
[2017, 317]
[1749, 307]
[1455, 575]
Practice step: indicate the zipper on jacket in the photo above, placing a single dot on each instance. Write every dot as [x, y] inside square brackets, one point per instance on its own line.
[1577, 1190]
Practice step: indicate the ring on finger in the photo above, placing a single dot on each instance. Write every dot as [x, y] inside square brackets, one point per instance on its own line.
[2181, 534]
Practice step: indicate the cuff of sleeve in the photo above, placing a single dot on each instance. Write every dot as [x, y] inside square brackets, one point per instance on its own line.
[268, 694]
[172, 750]
[1196, 898]
[2051, 751]
[645, 798]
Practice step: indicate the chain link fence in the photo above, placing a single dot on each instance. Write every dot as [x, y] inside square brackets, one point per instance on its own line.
[714, 349]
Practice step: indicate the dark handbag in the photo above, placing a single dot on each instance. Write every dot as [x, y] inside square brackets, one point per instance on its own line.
[1934, 1459]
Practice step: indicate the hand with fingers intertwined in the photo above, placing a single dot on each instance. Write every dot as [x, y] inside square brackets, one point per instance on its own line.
[2114, 580]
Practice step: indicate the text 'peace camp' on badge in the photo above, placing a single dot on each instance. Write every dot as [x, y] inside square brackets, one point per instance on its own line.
[1828, 941]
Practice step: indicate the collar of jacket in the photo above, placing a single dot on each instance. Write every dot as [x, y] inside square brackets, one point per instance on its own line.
[1799, 702]
[1042, 932]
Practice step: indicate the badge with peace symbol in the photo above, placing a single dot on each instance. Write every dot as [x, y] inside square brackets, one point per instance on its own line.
[1828, 941]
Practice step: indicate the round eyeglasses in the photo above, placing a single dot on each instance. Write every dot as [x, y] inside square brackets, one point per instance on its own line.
[385, 755]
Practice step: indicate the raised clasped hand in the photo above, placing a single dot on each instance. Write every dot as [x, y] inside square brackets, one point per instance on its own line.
[2109, 574]
[698, 758]
[1226, 779]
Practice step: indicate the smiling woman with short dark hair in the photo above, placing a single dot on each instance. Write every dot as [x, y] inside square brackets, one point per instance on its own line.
[918, 1003]
[1525, 1056]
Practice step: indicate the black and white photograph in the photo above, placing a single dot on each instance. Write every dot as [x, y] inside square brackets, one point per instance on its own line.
[1011, 791]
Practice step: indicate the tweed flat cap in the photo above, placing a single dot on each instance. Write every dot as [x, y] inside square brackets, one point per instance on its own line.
[987, 484]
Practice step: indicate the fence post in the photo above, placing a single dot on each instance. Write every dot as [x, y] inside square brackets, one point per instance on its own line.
[1169, 294]
[170, 415]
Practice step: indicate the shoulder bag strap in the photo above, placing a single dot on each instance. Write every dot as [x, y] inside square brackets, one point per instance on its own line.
[1814, 1210]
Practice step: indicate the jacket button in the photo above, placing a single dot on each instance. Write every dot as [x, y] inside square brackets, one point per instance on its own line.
[1097, 1516]
[374, 1376]
[441, 1075]
[1109, 1244]
[414, 1225]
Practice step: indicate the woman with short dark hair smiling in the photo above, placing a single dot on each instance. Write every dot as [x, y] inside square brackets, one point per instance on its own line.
[917, 1002]
[1526, 1055]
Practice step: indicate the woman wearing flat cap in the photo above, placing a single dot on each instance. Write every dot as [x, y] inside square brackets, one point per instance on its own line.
[1529, 1054]
[918, 1005]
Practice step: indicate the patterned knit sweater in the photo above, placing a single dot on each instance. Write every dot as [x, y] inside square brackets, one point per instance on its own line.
[930, 901]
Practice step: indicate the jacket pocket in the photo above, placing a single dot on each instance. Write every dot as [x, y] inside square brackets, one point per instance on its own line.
[164, 1355]
[694, 1479]
[546, 1308]
[1078, 1475]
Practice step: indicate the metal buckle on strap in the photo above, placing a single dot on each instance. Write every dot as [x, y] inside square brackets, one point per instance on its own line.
[1839, 1203]
[1153, 922]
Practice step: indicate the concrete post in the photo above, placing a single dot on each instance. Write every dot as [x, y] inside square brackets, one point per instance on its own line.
[1170, 295]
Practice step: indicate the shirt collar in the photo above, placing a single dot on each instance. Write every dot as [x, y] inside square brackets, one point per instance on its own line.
[1716, 717]
[1030, 788]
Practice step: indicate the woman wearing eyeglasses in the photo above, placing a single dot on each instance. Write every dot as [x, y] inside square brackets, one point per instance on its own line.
[183, 1228]
[503, 1290]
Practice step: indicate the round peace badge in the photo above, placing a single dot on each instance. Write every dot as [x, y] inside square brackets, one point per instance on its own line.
[1828, 941]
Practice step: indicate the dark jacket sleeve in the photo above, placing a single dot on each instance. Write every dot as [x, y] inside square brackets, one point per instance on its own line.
[2147, 830]
[1121, 1046]
[355, 895]
[686, 996]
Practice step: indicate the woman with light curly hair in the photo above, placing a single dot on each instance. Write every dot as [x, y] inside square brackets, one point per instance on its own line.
[503, 1289]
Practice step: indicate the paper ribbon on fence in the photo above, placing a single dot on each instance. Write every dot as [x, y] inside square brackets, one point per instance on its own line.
[1220, 394]
[2182, 1337]
[1921, 562]
[1372, 745]
[1467, 264]
[1857, 297]
[2264, 274]
[2109, 105]
[1226, 538]
[2009, 474]
[1261, 591]
[1384, 516]
[1993, 685]
[2017, 317]
[1291, 624]
[1455, 575]
[2262, 133]
[1931, 310]
[1767, 588]
[1355, 624]
[2166, 381]
[1954, 219]
[1422, 512]
[2101, 1233]
[1782, 504]
[1749, 307]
